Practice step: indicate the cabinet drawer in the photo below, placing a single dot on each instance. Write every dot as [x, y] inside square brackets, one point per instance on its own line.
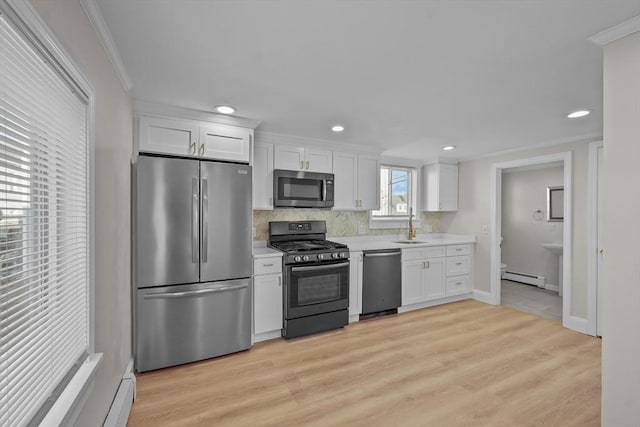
[423, 253]
[455, 250]
[433, 252]
[457, 265]
[457, 285]
[267, 265]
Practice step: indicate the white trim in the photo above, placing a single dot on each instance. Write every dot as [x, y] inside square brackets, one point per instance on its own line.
[104, 35]
[483, 296]
[68, 405]
[264, 336]
[432, 303]
[552, 287]
[579, 138]
[592, 238]
[616, 32]
[568, 321]
[173, 112]
[300, 141]
[577, 324]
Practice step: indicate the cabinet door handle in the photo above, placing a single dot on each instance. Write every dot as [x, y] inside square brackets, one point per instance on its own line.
[458, 283]
[307, 164]
[301, 164]
[202, 150]
[458, 263]
[193, 147]
[268, 265]
[279, 281]
[426, 264]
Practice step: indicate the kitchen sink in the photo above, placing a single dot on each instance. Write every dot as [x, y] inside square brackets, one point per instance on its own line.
[410, 242]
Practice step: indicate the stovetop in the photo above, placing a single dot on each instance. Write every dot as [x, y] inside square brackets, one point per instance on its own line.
[307, 245]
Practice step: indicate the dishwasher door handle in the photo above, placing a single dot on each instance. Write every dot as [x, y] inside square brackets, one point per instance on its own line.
[383, 254]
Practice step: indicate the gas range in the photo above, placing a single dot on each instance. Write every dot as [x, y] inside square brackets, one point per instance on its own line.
[304, 242]
[315, 277]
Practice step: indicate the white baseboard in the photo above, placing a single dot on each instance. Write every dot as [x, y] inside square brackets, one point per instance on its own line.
[354, 318]
[266, 336]
[530, 279]
[550, 287]
[440, 301]
[577, 324]
[123, 400]
[483, 296]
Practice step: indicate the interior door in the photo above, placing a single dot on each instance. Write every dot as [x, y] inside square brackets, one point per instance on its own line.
[166, 221]
[225, 244]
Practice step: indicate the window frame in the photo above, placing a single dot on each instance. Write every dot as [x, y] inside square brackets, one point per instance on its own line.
[400, 221]
[24, 18]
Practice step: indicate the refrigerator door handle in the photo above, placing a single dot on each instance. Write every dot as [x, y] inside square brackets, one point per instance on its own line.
[195, 293]
[205, 219]
[194, 220]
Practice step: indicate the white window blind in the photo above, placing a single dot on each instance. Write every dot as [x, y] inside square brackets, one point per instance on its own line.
[44, 254]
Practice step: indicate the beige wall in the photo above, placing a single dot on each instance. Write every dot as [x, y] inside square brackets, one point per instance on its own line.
[621, 309]
[523, 193]
[339, 223]
[113, 145]
[474, 212]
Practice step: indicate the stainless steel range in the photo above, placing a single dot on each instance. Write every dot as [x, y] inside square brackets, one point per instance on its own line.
[316, 277]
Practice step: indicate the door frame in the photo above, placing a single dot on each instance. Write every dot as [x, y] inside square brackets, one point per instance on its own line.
[568, 321]
[592, 239]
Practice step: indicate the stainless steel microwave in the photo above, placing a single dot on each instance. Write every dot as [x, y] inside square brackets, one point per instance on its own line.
[298, 189]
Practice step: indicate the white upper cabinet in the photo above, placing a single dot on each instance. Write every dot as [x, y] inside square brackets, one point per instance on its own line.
[225, 142]
[357, 181]
[303, 159]
[440, 187]
[263, 176]
[190, 138]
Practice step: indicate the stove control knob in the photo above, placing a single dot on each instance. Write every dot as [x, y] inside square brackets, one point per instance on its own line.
[341, 254]
[334, 255]
[305, 258]
[320, 257]
[297, 258]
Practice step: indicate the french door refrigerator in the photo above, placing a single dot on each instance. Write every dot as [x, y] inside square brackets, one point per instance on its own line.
[192, 264]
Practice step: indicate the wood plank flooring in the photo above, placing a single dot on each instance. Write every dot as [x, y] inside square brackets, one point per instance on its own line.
[460, 364]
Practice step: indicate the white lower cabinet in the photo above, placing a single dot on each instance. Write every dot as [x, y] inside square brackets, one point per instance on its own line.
[267, 298]
[429, 275]
[355, 286]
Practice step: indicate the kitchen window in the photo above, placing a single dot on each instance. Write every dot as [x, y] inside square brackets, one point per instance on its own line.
[45, 222]
[398, 194]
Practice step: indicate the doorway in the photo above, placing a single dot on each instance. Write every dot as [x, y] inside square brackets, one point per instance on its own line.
[531, 240]
[568, 321]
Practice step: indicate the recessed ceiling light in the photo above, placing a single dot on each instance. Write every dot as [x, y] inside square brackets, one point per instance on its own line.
[337, 128]
[448, 147]
[224, 109]
[580, 113]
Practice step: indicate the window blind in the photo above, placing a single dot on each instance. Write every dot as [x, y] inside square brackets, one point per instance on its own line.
[44, 253]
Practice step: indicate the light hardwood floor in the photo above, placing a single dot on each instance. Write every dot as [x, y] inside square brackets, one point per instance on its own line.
[460, 364]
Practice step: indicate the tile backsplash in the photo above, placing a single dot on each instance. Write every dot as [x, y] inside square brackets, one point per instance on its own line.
[339, 223]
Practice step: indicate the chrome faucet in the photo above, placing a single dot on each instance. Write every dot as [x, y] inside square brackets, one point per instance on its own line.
[412, 232]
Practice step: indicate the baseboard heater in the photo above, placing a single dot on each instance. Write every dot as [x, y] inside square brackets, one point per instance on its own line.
[121, 405]
[529, 279]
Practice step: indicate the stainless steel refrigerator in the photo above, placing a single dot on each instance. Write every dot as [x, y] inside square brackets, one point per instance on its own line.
[192, 260]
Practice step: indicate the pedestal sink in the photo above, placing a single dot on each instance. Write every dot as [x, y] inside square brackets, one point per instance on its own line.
[556, 249]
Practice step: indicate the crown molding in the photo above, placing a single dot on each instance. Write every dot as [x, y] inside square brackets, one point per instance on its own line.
[302, 141]
[616, 32]
[104, 35]
[171, 111]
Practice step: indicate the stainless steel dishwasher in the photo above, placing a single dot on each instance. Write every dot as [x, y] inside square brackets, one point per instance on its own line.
[381, 281]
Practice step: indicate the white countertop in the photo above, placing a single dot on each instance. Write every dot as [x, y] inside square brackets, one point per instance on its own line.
[264, 252]
[363, 243]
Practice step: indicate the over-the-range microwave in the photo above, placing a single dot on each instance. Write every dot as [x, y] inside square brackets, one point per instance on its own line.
[298, 189]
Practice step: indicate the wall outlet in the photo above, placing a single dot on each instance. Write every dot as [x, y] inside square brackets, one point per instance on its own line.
[429, 228]
[253, 232]
[362, 229]
[485, 229]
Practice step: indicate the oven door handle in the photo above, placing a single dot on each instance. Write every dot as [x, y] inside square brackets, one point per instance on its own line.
[324, 190]
[320, 267]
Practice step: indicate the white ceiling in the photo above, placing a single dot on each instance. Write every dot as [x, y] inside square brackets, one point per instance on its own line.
[406, 77]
